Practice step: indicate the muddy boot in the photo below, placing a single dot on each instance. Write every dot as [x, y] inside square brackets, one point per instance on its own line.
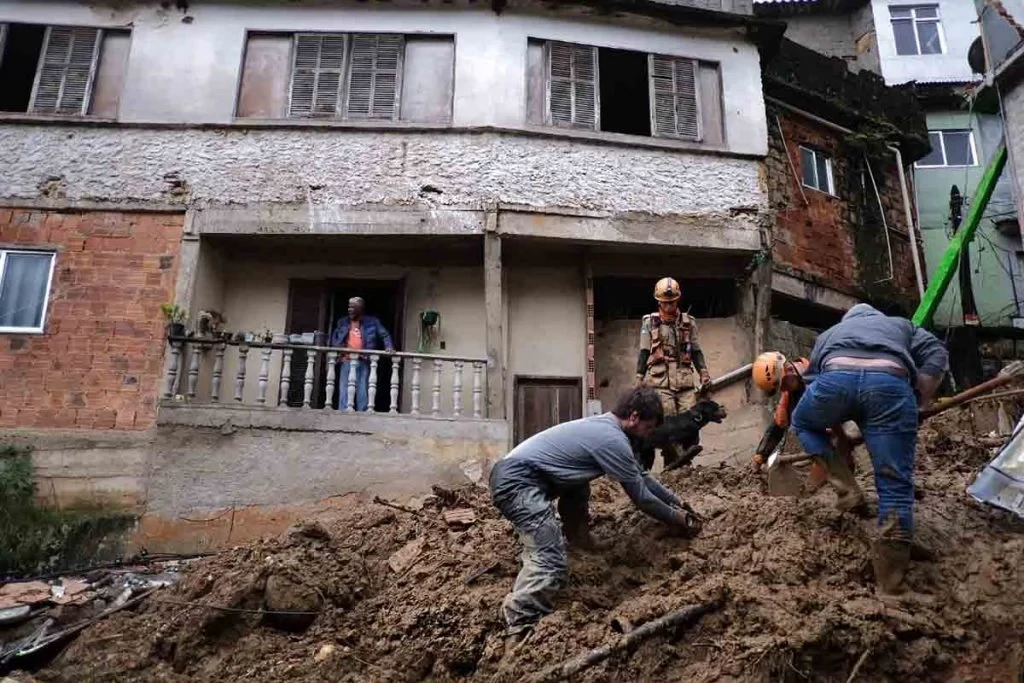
[891, 558]
[515, 640]
[849, 497]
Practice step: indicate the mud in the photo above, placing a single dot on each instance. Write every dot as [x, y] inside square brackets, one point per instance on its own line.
[796, 576]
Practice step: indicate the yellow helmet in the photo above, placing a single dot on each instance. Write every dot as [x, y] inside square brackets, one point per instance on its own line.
[768, 369]
[667, 289]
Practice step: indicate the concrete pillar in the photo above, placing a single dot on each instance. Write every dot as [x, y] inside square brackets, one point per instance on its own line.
[494, 315]
[188, 266]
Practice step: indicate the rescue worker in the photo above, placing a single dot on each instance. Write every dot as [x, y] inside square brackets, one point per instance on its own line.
[772, 373]
[669, 355]
[866, 369]
[560, 462]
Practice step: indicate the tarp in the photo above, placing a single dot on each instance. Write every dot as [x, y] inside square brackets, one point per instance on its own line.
[1001, 483]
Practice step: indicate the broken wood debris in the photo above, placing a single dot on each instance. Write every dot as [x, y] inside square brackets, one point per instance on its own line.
[680, 617]
[405, 557]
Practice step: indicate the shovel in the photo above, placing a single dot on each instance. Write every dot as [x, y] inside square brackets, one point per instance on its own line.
[784, 480]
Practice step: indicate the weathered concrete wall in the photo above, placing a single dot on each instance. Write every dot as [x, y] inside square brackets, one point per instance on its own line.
[726, 345]
[838, 241]
[87, 468]
[346, 168]
[216, 458]
[189, 72]
[830, 35]
[98, 361]
[791, 340]
[546, 324]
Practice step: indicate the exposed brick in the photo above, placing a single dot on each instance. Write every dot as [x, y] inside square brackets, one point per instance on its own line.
[101, 355]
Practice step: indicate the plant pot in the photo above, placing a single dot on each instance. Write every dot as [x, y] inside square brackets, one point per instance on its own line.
[176, 330]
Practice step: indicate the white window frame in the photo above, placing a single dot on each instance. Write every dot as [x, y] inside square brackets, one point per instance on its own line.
[942, 142]
[46, 299]
[914, 21]
[831, 182]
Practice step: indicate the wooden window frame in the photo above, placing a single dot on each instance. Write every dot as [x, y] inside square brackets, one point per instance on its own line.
[676, 95]
[342, 102]
[8, 329]
[94, 65]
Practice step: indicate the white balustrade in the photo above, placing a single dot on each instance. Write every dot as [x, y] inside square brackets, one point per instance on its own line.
[276, 364]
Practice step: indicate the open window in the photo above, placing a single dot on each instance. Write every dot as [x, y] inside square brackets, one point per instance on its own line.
[623, 91]
[348, 77]
[62, 70]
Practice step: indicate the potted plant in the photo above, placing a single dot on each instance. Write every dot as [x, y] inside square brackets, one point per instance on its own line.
[176, 317]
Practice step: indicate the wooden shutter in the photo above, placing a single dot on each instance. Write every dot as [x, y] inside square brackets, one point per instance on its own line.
[572, 85]
[66, 68]
[316, 75]
[374, 78]
[675, 97]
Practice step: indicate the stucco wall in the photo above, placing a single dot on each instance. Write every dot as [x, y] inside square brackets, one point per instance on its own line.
[350, 168]
[727, 345]
[959, 27]
[189, 72]
[546, 324]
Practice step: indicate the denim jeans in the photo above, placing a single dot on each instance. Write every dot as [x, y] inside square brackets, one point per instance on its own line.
[885, 408]
[544, 558]
[362, 384]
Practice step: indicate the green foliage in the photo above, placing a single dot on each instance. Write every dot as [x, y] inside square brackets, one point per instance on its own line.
[173, 313]
[36, 539]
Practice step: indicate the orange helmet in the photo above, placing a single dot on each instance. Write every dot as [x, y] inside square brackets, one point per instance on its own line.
[768, 370]
[667, 289]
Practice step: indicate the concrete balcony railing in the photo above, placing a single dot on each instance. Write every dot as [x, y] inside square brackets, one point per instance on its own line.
[307, 377]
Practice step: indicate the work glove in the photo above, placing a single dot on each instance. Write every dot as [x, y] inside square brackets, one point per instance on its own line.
[705, 377]
[688, 523]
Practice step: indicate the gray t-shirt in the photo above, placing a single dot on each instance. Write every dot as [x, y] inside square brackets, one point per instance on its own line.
[574, 453]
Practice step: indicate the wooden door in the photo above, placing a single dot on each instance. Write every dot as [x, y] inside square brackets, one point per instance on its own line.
[306, 313]
[543, 402]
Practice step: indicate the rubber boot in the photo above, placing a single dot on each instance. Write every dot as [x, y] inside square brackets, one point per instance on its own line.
[849, 497]
[891, 557]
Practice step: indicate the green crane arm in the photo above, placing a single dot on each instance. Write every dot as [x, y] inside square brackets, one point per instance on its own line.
[951, 259]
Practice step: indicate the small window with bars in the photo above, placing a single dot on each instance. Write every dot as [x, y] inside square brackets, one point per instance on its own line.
[62, 70]
[346, 76]
[623, 91]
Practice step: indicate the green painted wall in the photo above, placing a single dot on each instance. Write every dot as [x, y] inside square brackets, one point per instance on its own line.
[995, 263]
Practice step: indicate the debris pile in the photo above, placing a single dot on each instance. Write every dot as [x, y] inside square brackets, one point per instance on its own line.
[378, 591]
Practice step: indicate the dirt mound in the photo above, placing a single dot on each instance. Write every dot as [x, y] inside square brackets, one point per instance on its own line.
[796, 576]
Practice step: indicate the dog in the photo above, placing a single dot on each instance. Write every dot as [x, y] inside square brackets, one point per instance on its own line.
[683, 430]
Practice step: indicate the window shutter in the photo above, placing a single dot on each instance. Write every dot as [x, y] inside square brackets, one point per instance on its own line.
[316, 75]
[66, 70]
[374, 76]
[572, 85]
[675, 97]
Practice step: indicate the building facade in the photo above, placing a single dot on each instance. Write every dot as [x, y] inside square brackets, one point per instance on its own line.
[466, 170]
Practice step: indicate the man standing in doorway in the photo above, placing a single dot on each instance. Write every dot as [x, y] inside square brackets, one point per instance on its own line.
[358, 331]
[669, 355]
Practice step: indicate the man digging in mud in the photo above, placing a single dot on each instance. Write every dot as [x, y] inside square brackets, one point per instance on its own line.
[560, 462]
[866, 369]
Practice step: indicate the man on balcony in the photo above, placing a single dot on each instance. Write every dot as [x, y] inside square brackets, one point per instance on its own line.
[358, 332]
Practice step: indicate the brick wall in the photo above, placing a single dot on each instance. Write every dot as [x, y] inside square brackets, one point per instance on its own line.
[99, 361]
[838, 241]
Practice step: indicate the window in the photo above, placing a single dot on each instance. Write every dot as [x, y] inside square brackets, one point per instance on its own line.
[623, 91]
[949, 148]
[917, 30]
[817, 170]
[24, 289]
[64, 70]
[349, 77]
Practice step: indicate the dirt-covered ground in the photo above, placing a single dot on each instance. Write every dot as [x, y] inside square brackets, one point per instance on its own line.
[795, 575]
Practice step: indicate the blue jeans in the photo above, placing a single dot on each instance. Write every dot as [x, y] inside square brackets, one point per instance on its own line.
[362, 384]
[885, 408]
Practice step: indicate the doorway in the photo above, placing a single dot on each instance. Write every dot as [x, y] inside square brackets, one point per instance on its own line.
[318, 305]
[542, 402]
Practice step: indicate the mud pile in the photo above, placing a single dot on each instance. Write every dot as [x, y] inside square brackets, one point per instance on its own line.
[795, 575]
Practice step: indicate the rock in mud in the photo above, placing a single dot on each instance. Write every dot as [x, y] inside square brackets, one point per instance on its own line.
[291, 606]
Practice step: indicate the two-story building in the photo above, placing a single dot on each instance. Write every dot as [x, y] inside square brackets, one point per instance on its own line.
[502, 183]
